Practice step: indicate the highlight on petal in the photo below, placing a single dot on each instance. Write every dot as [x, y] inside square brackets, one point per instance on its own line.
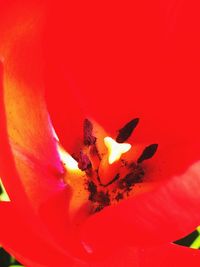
[30, 166]
[37, 193]
[22, 95]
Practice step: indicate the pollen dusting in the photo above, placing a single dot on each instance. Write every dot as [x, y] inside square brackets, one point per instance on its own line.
[100, 181]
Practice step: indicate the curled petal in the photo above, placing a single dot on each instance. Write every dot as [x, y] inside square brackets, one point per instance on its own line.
[34, 191]
[26, 130]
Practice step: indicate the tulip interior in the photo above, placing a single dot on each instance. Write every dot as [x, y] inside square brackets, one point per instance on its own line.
[108, 64]
[105, 170]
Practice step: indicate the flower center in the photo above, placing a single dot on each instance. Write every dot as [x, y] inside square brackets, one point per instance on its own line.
[107, 167]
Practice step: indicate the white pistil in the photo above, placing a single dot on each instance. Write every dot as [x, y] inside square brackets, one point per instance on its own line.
[115, 150]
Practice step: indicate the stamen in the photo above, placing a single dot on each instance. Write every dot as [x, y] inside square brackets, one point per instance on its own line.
[83, 162]
[88, 137]
[109, 176]
[132, 178]
[126, 131]
[94, 152]
[148, 152]
[101, 199]
[119, 196]
[92, 188]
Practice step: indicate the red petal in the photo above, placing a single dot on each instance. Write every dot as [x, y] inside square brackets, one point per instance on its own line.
[43, 191]
[27, 121]
[165, 256]
[169, 255]
[118, 62]
[29, 246]
[32, 250]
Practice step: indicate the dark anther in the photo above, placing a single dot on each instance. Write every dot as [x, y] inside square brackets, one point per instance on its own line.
[148, 152]
[84, 162]
[102, 198]
[89, 139]
[92, 188]
[126, 131]
[119, 196]
[99, 208]
[132, 178]
[94, 151]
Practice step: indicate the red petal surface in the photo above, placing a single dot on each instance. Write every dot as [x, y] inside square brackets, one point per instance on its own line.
[115, 62]
[32, 250]
[165, 256]
[169, 255]
[50, 199]
[27, 122]
[30, 167]
[25, 241]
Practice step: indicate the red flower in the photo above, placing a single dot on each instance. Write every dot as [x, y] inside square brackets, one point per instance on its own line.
[110, 63]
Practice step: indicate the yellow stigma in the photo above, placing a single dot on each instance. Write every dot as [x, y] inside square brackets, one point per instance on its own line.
[115, 150]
